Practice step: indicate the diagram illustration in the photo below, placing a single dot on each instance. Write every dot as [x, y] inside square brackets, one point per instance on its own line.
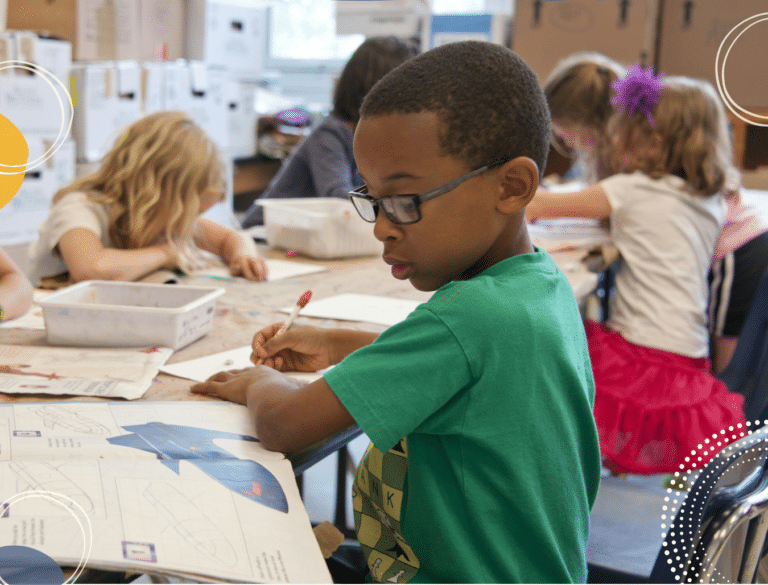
[173, 443]
[41, 476]
[189, 521]
[69, 419]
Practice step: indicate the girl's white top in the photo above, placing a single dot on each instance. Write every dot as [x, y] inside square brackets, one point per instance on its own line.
[74, 210]
[666, 238]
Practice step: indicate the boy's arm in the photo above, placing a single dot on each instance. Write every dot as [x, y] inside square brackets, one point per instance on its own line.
[589, 202]
[15, 289]
[87, 258]
[288, 417]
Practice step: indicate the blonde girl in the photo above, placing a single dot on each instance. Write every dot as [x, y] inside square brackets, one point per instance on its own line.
[140, 211]
[656, 399]
[579, 92]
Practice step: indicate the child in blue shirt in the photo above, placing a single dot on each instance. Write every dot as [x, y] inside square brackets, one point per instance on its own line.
[484, 460]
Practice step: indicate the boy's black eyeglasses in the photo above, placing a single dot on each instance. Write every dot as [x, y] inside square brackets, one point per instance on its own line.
[406, 209]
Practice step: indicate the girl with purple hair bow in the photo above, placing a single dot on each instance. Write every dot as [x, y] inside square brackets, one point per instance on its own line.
[668, 155]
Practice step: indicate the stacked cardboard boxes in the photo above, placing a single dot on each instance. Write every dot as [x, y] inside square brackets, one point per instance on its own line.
[35, 98]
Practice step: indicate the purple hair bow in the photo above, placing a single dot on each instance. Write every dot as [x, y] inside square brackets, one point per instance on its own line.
[638, 91]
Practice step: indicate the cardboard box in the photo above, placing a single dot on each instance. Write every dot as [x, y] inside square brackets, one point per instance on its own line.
[207, 104]
[22, 216]
[240, 102]
[109, 99]
[227, 34]
[53, 55]
[152, 87]
[402, 18]
[198, 88]
[692, 32]
[7, 51]
[107, 29]
[36, 104]
[546, 32]
[448, 28]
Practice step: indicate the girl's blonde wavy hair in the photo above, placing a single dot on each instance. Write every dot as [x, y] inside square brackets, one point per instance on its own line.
[152, 179]
[689, 139]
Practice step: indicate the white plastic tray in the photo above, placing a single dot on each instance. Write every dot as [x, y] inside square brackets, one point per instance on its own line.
[319, 227]
[129, 314]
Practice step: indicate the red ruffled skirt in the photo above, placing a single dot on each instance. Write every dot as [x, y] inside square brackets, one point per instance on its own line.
[654, 407]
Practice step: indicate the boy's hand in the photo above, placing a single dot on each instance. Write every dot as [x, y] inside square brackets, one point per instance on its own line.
[300, 349]
[234, 385]
[250, 267]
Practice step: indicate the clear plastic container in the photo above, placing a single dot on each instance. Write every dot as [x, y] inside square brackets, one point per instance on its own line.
[319, 227]
[129, 314]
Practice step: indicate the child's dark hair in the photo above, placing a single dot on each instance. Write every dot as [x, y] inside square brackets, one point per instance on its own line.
[487, 98]
[369, 63]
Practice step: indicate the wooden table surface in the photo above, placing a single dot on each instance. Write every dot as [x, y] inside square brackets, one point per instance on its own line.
[247, 307]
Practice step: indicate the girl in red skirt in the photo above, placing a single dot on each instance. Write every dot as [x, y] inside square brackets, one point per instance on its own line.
[669, 153]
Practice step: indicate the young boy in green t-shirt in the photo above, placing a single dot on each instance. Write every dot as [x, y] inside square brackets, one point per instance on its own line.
[484, 460]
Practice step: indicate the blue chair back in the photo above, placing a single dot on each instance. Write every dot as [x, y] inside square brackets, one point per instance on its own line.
[747, 373]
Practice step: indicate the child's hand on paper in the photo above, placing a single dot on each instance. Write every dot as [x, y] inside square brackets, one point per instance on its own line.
[300, 349]
[234, 385]
[250, 267]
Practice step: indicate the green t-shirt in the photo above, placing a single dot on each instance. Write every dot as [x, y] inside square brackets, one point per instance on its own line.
[484, 460]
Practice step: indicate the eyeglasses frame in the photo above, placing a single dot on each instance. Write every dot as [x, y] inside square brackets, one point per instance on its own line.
[361, 193]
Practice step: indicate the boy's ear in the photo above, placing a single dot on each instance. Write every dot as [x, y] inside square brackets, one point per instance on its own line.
[519, 179]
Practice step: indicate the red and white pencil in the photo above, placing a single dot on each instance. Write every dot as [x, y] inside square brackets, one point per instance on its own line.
[300, 304]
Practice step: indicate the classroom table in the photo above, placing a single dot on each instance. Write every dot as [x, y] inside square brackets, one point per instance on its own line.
[247, 307]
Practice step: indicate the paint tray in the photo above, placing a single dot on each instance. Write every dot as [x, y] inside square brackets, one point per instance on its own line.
[104, 313]
[318, 227]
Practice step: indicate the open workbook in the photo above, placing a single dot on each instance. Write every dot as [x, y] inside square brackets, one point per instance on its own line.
[170, 488]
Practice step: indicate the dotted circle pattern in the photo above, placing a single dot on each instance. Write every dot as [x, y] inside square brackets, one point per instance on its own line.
[676, 544]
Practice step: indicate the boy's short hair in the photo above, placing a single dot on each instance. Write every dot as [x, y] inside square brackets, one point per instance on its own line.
[488, 99]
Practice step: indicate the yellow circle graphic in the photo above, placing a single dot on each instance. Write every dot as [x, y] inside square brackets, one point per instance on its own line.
[13, 152]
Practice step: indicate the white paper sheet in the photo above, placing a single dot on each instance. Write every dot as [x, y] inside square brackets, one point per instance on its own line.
[357, 307]
[113, 372]
[276, 270]
[201, 369]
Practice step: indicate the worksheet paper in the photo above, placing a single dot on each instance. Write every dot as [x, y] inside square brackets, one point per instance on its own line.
[179, 489]
[201, 369]
[80, 371]
[356, 307]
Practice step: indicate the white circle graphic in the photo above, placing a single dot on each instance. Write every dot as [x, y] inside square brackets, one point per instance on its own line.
[64, 127]
[64, 502]
[720, 71]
